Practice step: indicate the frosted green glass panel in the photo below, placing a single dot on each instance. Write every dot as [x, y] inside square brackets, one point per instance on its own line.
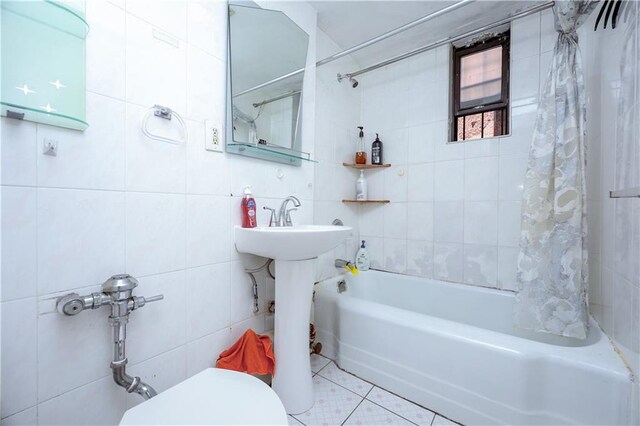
[43, 63]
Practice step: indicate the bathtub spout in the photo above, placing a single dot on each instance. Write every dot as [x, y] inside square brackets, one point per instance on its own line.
[341, 263]
[131, 384]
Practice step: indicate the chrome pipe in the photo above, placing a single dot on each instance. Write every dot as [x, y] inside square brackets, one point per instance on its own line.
[117, 293]
[277, 98]
[362, 45]
[391, 33]
[131, 384]
[448, 40]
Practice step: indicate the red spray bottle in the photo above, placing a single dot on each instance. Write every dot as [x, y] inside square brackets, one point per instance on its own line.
[248, 206]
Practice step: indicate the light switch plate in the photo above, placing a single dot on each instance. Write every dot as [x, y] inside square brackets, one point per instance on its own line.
[213, 137]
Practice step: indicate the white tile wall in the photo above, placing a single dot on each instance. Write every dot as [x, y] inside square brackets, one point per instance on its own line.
[112, 201]
[614, 246]
[337, 118]
[462, 216]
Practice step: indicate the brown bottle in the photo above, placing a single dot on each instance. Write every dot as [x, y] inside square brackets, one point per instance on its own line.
[361, 154]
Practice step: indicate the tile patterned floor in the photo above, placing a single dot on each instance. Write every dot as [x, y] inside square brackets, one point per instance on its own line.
[344, 399]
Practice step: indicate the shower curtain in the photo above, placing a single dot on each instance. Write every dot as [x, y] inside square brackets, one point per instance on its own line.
[552, 264]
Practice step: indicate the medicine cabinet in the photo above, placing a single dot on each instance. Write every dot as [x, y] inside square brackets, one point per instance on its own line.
[43, 62]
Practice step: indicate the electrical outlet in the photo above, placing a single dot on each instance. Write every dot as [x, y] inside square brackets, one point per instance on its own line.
[213, 137]
[50, 147]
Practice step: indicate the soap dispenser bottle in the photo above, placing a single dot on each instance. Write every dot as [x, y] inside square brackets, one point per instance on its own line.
[361, 154]
[376, 151]
[361, 187]
[363, 262]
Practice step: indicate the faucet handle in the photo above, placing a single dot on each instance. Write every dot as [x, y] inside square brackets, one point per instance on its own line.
[137, 302]
[287, 217]
[272, 219]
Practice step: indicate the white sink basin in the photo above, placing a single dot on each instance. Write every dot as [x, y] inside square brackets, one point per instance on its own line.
[295, 249]
[291, 242]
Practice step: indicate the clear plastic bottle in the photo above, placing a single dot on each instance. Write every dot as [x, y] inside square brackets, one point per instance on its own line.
[361, 154]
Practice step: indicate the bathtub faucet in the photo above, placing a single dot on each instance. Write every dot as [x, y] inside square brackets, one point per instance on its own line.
[341, 263]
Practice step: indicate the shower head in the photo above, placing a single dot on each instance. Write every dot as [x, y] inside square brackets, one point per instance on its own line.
[353, 81]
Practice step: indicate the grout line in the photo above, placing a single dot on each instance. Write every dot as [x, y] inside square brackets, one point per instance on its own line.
[398, 414]
[353, 411]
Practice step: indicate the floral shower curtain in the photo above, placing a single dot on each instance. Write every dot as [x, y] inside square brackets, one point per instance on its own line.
[552, 264]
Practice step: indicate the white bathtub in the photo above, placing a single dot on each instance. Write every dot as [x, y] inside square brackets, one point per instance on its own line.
[452, 348]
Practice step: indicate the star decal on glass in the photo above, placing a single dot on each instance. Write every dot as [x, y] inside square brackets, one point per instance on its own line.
[57, 84]
[25, 89]
[47, 108]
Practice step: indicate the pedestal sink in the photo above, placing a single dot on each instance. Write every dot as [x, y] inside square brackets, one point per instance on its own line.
[295, 249]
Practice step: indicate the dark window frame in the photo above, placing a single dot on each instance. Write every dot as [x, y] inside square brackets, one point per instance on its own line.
[501, 106]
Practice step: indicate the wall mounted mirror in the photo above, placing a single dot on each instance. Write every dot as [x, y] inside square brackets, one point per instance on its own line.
[267, 58]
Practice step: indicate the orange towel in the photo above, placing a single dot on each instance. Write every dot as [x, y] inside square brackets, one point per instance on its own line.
[252, 354]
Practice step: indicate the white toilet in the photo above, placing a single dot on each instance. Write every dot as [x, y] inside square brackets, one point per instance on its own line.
[212, 397]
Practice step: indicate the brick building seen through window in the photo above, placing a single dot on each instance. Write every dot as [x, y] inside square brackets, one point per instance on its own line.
[480, 104]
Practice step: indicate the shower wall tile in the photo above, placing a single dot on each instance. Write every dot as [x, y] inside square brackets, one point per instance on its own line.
[395, 255]
[449, 180]
[395, 220]
[525, 37]
[422, 140]
[526, 72]
[420, 258]
[614, 224]
[507, 265]
[481, 222]
[480, 265]
[396, 184]
[481, 179]
[420, 185]
[420, 221]
[448, 261]
[113, 201]
[462, 199]
[509, 213]
[448, 219]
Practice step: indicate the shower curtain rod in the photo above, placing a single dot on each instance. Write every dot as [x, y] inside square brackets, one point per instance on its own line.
[448, 40]
[367, 43]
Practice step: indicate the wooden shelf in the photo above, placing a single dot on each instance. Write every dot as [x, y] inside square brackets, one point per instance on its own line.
[366, 201]
[366, 166]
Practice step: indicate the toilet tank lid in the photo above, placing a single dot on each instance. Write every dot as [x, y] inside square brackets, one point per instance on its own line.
[213, 396]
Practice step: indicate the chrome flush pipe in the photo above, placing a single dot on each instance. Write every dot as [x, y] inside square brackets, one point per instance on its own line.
[117, 293]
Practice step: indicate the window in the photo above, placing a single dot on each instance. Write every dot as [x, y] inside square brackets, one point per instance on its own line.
[480, 107]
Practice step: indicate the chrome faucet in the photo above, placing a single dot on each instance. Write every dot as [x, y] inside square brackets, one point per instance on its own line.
[283, 216]
[117, 293]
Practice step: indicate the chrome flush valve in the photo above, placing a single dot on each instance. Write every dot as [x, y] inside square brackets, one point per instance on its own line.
[117, 293]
